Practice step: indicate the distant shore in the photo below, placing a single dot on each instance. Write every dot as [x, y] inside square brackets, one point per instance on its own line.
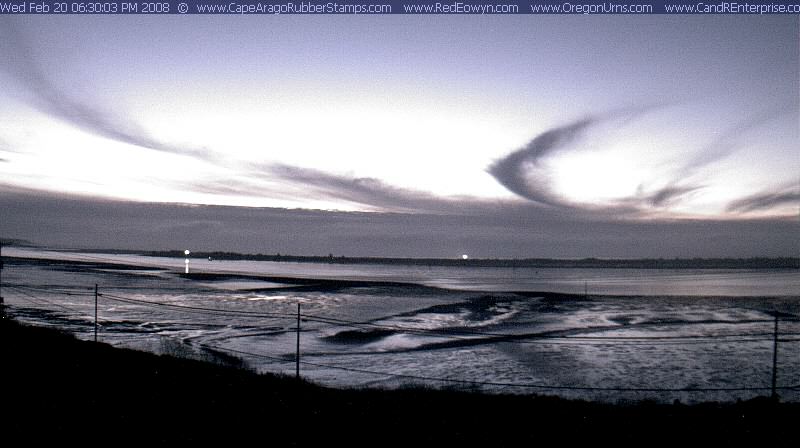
[604, 263]
[585, 263]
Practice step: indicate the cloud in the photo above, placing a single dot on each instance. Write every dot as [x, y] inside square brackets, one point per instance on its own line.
[522, 173]
[19, 61]
[512, 170]
[366, 191]
[725, 143]
[515, 170]
[729, 141]
[668, 194]
[229, 187]
[788, 195]
[381, 197]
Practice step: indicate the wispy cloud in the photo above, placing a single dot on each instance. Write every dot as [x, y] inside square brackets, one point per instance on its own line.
[379, 196]
[512, 171]
[668, 195]
[787, 195]
[730, 140]
[723, 145]
[7, 147]
[19, 61]
[522, 171]
[228, 186]
[366, 191]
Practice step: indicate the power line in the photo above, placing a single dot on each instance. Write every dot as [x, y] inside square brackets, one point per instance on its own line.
[459, 333]
[362, 325]
[542, 338]
[525, 338]
[104, 321]
[195, 308]
[38, 300]
[502, 384]
[53, 290]
[257, 355]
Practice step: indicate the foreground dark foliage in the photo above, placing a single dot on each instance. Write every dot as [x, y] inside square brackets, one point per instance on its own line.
[59, 389]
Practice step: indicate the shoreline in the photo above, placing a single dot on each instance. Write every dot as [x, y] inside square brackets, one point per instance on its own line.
[308, 283]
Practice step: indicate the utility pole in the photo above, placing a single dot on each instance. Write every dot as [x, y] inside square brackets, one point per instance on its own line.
[1, 274]
[297, 353]
[95, 312]
[775, 359]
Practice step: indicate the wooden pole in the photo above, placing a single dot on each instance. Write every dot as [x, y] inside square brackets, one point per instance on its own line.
[1, 274]
[95, 312]
[297, 353]
[775, 360]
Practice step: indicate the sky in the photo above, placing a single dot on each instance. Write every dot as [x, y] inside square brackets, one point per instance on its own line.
[515, 136]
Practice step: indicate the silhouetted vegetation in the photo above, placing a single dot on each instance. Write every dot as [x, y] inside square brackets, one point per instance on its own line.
[16, 242]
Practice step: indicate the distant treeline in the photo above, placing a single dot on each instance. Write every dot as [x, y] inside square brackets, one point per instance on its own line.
[15, 242]
[645, 263]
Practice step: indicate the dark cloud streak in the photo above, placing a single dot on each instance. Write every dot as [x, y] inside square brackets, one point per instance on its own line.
[669, 194]
[512, 170]
[515, 170]
[366, 191]
[18, 60]
[767, 200]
